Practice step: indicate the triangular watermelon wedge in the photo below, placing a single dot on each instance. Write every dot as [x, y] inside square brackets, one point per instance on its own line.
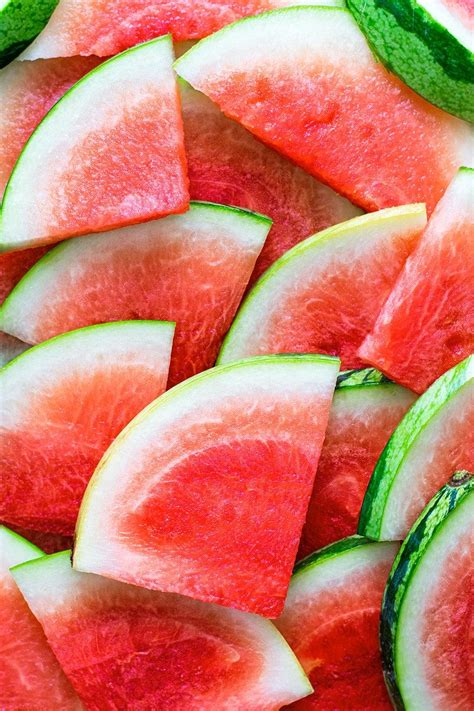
[63, 403]
[304, 80]
[206, 491]
[109, 153]
[124, 647]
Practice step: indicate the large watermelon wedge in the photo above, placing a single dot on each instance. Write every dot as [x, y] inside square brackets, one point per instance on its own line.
[63, 403]
[20, 22]
[331, 620]
[324, 295]
[304, 80]
[426, 627]
[109, 153]
[191, 269]
[124, 647]
[427, 323]
[226, 164]
[205, 492]
[365, 410]
[30, 676]
[435, 437]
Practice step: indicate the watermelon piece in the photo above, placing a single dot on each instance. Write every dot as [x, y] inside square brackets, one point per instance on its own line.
[29, 90]
[300, 81]
[427, 324]
[103, 28]
[10, 347]
[427, 43]
[64, 403]
[30, 676]
[21, 22]
[47, 542]
[426, 626]
[331, 620]
[324, 295]
[191, 268]
[205, 492]
[227, 164]
[365, 410]
[110, 153]
[126, 647]
[435, 437]
[14, 265]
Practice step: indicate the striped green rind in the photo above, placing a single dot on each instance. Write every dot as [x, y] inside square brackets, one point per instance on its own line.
[331, 551]
[402, 440]
[20, 22]
[416, 47]
[360, 378]
[422, 535]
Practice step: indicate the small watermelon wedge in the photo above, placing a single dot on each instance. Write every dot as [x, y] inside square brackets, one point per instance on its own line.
[324, 295]
[47, 542]
[30, 676]
[435, 437]
[205, 492]
[365, 410]
[124, 647]
[191, 269]
[304, 81]
[331, 620]
[110, 153]
[226, 164]
[20, 22]
[427, 324]
[426, 626]
[10, 347]
[63, 403]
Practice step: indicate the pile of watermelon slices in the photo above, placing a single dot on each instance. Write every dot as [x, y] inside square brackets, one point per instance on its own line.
[236, 355]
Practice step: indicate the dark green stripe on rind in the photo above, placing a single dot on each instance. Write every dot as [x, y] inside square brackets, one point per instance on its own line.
[413, 45]
[421, 535]
[392, 458]
[20, 22]
[357, 378]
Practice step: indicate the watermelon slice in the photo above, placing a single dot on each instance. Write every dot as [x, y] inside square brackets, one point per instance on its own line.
[123, 647]
[427, 43]
[10, 347]
[324, 295]
[366, 409]
[427, 324]
[331, 620]
[20, 22]
[304, 81]
[434, 438]
[205, 492]
[426, 628]
[110, 153]
[30, 676]
[227, 164]
[63, 404]
[191, 268]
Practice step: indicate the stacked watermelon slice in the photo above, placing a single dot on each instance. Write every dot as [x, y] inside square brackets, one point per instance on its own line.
[236, 330]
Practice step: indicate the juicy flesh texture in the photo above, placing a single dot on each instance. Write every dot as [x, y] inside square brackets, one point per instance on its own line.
[463, 10]
[354, 441]
[227, 165]
[29, 90]
[65, 429]
[14, 265]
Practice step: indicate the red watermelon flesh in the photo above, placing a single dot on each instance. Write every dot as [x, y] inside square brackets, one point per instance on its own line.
[304, 81]
[14, 265]
[226, 164]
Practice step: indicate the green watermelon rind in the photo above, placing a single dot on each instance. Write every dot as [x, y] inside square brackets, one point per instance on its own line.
[357, 378]
[18, 542]
[424, 54]
[426, 530]
[391, 460]
[333, 550]
[20, 22]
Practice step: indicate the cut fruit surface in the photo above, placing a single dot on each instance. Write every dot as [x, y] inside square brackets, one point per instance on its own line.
[109, 153]
[226, 164]
[10, 347]
[365, 410]
[30, 675]
[427, 324]
[324, 295]
[20, 22]
[63, 403]
[426, 626]
[191, 269]
[126, 647]
[15, 265]
[435, 437]
[331, 620]
[205, 492]
[300, 78]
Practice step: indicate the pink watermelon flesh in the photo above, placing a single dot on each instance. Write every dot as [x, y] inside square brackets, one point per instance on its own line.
[226, 164]
[463, 9]
[14, 265]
